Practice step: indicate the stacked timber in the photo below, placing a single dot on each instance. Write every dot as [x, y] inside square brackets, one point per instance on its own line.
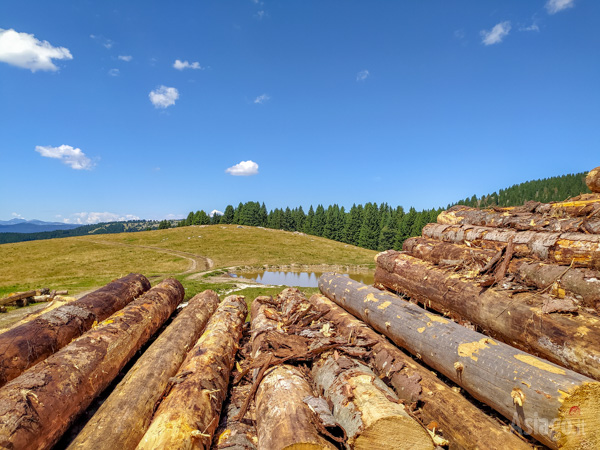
[38, 406]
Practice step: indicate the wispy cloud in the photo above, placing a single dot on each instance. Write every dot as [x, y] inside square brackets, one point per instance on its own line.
[106, 43]
[17, 216]
[68, 155]
[181, 65]
[262, 99]
[533, 27]
[163, 96]
[84, 218]
[215, 211]
[125, 58]
[114, 72]
[242, 169]
[362, 75]
[260, 14]
[25, 51]
[554, 6]
[496, 34]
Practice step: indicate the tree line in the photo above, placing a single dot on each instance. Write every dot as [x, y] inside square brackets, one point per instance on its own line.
[373, 226]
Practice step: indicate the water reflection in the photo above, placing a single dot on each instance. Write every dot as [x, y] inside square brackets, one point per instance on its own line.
[300, 279]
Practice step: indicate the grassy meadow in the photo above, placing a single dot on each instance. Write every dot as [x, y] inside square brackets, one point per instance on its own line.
[86, 262]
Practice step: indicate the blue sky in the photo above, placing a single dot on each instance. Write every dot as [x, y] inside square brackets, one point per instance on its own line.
[119, 109]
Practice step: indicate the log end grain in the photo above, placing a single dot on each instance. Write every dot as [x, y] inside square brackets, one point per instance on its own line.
[578, 424]
[593, 180]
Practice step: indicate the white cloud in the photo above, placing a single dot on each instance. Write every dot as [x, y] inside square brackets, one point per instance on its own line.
[260, 15]
[215, 211]
[496, 34]
[362, 75]
[533, 27]
[243, 169]
[163, 96]
[85, 218]
[107, 43]
[114, 72]
[70, 156]
[554, 6]
[125, 58]
[25, 51]
[181, 65]
[262, 99]
[19, 216]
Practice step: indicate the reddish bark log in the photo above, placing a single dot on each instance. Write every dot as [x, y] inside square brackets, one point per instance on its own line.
[23, 346]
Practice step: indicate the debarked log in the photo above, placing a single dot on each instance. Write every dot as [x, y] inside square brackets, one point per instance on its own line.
[582, 205]
[579, 281]
[189, 414]
[461, 422]
[558, 407]
[135, 398]
[365, 407]
[37, 407]
[567, 340]
[522, 221]
[579, 249]
[593, 180]
[25, 345]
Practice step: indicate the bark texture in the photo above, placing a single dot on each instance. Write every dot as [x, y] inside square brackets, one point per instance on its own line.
[527, 390]
[583, 250]
[368, 410]
[462, 423]
[518, 220]
[23, 346]
[189, 415]
[37, 407]
[593, 180]
[570, 341]
[135, 398]
[18, 296]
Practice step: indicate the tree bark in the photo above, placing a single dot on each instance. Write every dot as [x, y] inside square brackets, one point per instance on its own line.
[37, 407]
[522, 221]
[582, 205]
[23, 346]
[579, 281]
[462, 423]
[558, 407]
[368, 410]
[583, 250]
[518, 321]
[137, 395]
[189, 414]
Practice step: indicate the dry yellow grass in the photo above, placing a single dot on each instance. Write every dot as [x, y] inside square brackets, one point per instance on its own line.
[85, 262]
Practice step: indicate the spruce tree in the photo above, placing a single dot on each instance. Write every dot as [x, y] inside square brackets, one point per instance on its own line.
[227, 216]
[319, 221]
[308, 222]
[369, 229]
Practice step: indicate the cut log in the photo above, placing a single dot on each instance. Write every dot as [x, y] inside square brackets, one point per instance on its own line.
[582, 205]
[522, 221]
[570, 341]
[284, 420]
[189, 414]
[578, 281]
[234, 434]
[37, 407]
[23, 346]
[558, 407]
[462, 423]
[365, 407]
[593, 180]
[18, 296]
[137, 395]
[583, 250]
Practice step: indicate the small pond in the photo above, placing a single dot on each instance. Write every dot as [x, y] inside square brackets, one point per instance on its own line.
[301, 279]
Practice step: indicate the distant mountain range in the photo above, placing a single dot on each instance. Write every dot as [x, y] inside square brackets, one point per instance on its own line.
[32, 226]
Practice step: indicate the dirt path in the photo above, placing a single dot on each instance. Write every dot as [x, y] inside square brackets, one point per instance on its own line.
[197, 262]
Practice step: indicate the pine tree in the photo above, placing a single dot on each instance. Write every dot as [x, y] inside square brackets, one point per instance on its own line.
[227, 216]
[319, 221]
[369, 229]
[352, 225]
[237, 214]
[307, 227]
[190, 219]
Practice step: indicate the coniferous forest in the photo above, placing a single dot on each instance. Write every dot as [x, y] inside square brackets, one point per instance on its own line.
[374, 226]
[382, 227]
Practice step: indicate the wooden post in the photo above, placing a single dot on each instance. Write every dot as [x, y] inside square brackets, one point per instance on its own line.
[137, 395]
[462, 423]
[582, 250]
[37, 407]
[23, 346]
[570, 341]
[558, 407]
[189, 414]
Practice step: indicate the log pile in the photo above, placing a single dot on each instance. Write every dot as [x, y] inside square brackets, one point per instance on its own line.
[528, 277]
